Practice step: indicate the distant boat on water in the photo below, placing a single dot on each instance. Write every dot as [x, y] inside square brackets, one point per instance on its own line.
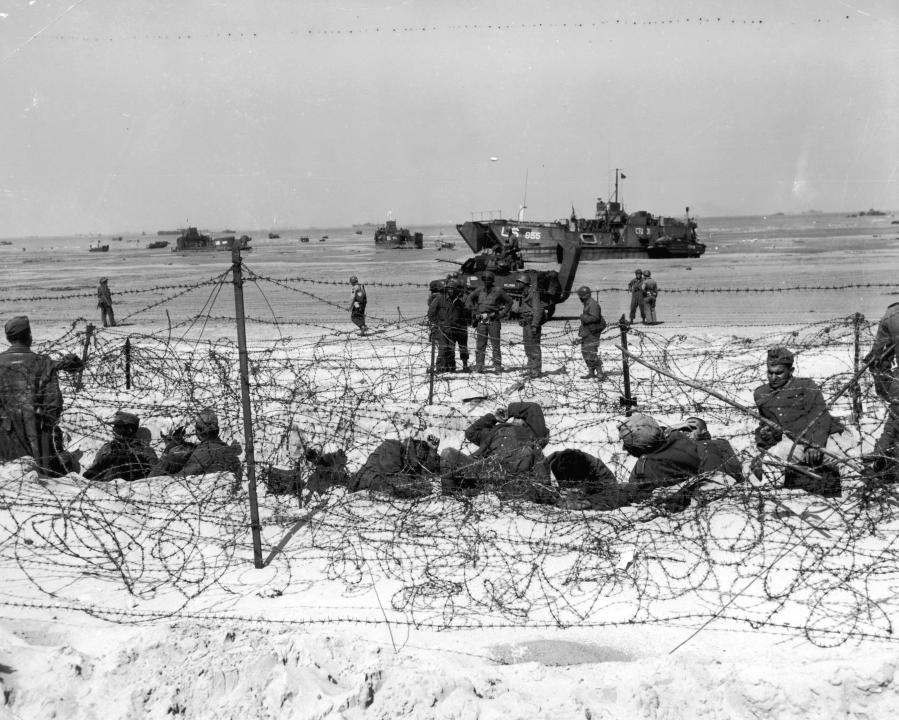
[304, 238]
[394, 238]
[358, 232]
[273, 236]
[192, 240]
[323, 238]
[445, 244]
[180, 231]
[96, 246]
[157, 244]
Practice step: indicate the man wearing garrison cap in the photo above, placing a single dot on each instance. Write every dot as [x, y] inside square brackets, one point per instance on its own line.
[213, 454]
[126, 456]
[800, 436]
[30, 401]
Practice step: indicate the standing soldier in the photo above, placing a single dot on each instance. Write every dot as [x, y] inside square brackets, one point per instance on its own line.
[357, 309]
[30, 401]
[488, 304]
[885, 352]
[592, 325]
[449, 317]
[650, 293]
[636, 289]
[104, 302]
[533, 315]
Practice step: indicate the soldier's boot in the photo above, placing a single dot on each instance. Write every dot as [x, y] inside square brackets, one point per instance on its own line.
[465, 367]
[591, 373]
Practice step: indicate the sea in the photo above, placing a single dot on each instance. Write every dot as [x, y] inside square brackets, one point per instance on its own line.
[758, 272]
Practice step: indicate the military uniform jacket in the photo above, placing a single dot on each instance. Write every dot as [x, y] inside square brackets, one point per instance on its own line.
[495, 303]
[448, 313]
[360, 300]
[398, 466]
[516, 448]
[592, 323]
[532, 308]
[717, 455]
[30, 404]
[212, 456]
[636, 286]
[676, 459]
[886, 343]
[126, 459]
[650, 288]
[104, 297]
[799, 409]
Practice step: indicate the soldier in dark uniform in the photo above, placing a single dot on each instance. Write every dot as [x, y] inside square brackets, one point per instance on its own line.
[177, 452]
[592, 325]
[884, 362]
[509, 456]
[449, 318]
[488, 305]
[635, 287]
[585, 483]
[665, 461]
[403, 468]
[800, 435]
[533, 315]
[104, 302]
[126, 456]
[359, 302]
[30, 402]
[213, 454]
[715, 454]
[650, 294]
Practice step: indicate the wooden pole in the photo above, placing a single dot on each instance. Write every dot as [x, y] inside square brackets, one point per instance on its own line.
[626, 401]
[88, 333]
[255, 527]
[433, 355]
[857, 408]
[128, 363]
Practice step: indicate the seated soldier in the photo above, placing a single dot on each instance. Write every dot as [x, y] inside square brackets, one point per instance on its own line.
[126, 456]
[403, 468]
[664, 460]
[585, 483]
[509, 456]
[799, 435]
[716, 455]
[316, 469]
[177, 452]
[212, 454]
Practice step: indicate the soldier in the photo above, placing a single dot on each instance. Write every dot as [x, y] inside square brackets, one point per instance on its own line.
[650, 293]
[584, 481]
[635, 287]
[402, 468]
[213, 455]
[126, 456]
[357, 309]
[592, 325]
[177, 452]
[30, 402]
[800, 435]
[533, 315]
[666, 463]
[882, 462]
[488, 305]
[316, 468]
[104, 302]
[510, 453]
[449, 318]
[715, 454]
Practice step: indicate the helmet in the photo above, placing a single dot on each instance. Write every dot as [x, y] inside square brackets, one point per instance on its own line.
[639, 430]
[354, 279]
[584, 291]
[647, 273]
[638, 271]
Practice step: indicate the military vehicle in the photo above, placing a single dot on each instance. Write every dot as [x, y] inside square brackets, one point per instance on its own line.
[508, 267]
[389, 236]
[612, 234]
[192, 240]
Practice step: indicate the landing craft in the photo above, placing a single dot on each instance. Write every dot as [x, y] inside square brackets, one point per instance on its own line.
[611, 234]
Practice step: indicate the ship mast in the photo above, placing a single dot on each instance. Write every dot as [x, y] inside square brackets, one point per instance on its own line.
[524, 199]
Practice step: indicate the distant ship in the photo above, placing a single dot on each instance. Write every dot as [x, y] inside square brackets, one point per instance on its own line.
[180, 231]
[304, 238]
[191, 240]
[389, 236]
[273, 236]
[96, 246]
[611, 234]
[157, 244]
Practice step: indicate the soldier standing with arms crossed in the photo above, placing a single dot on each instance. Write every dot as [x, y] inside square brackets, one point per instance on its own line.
[636, 289]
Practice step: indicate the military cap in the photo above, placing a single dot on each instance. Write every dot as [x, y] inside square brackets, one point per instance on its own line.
[354, 279]
[583, 291]
[780, 356]
[639, 430]
[17, 325]
[207, 419]
[125, 419]
[647, 273]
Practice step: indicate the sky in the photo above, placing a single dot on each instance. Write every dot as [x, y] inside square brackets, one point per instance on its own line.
[125, 116]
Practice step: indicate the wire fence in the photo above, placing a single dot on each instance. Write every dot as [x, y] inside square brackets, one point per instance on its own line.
[771, 559]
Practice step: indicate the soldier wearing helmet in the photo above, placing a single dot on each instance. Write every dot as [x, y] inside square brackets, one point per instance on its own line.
[449, 318]
[488, 305]
[104, 302]
[357, 308]
[650, 293]
[635, 287]
[533, 315]
[592, 325]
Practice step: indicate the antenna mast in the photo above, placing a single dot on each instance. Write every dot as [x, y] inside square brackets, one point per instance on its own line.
[524, 199]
